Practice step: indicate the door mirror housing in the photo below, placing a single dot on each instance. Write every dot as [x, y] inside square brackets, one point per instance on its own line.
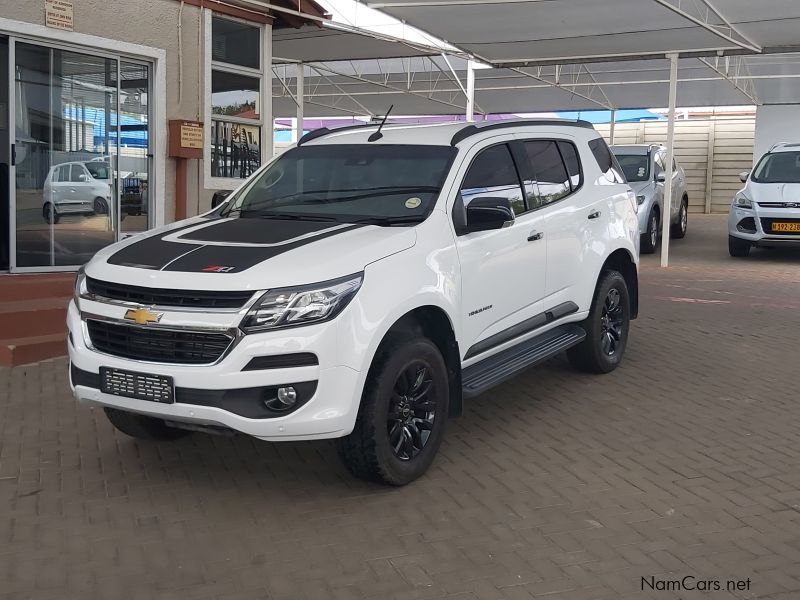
[489, 212]
[661, 177]
[82, 177]
[219, 197]
[743, 176]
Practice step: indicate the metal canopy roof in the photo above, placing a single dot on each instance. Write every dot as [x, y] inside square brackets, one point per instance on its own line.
[329, 41]
[420, 86]
[527, 32]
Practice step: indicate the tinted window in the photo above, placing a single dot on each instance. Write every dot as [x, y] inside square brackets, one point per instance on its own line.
[606, 161]
[570, 156]
[635, 166]
[97, 169]
[781, 167]
[235, 43]
[492, 173]
[545, 175]
[77, 171]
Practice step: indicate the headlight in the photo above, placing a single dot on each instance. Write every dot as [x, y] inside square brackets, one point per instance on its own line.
[640, 199]
[742, 201]
[290, 307]
[80, 284]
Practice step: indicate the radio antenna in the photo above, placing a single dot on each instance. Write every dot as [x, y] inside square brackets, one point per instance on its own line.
[378, 135]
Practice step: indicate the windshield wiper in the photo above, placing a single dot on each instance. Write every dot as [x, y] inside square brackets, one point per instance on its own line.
[297, 217]
[390, 220]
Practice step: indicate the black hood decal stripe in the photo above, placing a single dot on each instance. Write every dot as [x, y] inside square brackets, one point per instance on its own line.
[205, 249]
[234, 259]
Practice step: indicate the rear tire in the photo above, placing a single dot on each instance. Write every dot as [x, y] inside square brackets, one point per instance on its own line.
[678, 230]
[143, 427]
[606, 327]
[403, 411]
[100, 206]
[737, 247]
[650, 237]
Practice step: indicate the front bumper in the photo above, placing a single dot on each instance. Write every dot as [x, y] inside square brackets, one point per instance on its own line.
[329, 412]
[749, 224]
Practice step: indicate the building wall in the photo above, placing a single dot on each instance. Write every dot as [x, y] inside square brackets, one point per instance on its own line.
[152, 23]
[776, 123]
[712, 152]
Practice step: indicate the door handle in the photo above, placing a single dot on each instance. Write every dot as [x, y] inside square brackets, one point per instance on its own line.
[535, 236]
[594, 214]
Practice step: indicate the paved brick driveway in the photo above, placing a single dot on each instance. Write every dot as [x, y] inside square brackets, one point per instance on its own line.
[684, 462]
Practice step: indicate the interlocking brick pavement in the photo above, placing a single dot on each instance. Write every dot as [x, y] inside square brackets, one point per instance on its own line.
[557, 485]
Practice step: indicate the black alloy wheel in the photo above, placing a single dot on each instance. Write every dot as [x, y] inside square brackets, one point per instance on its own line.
[412, 410]
[612, 322]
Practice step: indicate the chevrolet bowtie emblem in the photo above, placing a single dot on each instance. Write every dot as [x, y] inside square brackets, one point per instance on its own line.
[142, 316]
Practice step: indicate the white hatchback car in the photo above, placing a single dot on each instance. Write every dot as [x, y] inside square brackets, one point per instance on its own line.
[78, 187]
[766, 211]
[362, 284]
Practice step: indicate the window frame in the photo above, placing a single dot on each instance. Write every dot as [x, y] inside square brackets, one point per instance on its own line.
[263, 74]
[524, 156]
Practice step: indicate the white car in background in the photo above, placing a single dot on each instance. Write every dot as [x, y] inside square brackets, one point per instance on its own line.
[766, 211]
[644, 166]
[78, 187]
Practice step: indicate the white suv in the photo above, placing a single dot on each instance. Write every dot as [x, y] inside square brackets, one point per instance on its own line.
[363, 283]
[766, 211]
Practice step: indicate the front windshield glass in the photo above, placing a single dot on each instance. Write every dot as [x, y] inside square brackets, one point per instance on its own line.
[781, 167]
[98, 170]
[348, 183]
[635, 166]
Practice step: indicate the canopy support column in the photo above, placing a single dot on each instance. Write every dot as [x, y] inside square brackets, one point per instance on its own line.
[666, 218]
[612, 127]
[300, 100]
[470, 91]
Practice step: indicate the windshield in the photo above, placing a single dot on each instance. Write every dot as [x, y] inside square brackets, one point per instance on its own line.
[781, 167]
[98, 170]
[348, 183]
[635, 166]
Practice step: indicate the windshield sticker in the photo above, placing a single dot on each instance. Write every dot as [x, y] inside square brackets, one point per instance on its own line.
[641, 172]
[413, 202]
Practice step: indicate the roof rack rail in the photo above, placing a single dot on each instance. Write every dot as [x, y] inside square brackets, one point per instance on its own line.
[781, 145]
[471, 130]
[323, 131]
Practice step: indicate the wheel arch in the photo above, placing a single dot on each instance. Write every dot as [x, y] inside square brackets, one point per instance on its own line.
[622, 261]
[435, 324]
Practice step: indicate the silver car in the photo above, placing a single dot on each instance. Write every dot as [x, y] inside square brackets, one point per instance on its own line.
[766, 211]
[644, 166]
[78, 187]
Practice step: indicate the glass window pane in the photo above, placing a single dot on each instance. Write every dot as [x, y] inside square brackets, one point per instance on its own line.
[66, 116]
[134, 162]
[234, 95]
[606, 161]
[235, 43]
[570, 156]
[548, 174]
[492, 173]
[235, 149]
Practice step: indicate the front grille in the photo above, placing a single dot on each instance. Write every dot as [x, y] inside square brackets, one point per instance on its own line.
[157, 344]
[162, 297]
[779, 204]
[766, 226]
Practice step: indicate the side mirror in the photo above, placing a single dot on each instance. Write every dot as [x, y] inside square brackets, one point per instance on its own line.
[219, 197]
[489, 212]
[661, 177]
[82, 177]
[743, 176]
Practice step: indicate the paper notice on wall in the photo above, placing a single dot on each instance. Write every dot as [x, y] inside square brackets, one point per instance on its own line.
[58, 14]
[191, 135]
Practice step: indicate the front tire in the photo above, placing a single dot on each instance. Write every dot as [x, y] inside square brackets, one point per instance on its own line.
[143, 427]
[100, 206]
[606, 327]
[738, 248]
[650, 237]
[49, 213]
[678, 230]
[401, 420]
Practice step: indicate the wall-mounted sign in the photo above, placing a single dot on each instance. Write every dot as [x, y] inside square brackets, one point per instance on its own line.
[58, 14]
[185, 139]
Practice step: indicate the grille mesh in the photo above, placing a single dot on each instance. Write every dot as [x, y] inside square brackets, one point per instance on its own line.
[162, 297]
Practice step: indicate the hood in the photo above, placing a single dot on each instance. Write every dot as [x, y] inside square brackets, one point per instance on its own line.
[243, 254]
[773, 192]
[641, 187]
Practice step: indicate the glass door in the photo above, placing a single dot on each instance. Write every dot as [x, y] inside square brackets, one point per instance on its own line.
[66, 157]
[134, 148]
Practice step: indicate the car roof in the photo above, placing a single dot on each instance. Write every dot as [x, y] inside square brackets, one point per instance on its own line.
[633, 148]
[441, 134]
[785, 147]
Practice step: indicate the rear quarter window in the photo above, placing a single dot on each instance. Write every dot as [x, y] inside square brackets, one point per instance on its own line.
[606, 161]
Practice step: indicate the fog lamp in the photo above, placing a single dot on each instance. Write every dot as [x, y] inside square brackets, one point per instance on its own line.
[287, 396]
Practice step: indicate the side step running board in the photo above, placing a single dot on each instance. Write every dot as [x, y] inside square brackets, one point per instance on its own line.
[498, 368]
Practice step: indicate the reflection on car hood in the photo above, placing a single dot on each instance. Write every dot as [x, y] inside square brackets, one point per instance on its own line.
[254, 253]
[773, 192]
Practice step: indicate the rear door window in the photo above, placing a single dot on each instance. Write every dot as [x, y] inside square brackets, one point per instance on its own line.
[544, 173]
[570, 155]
